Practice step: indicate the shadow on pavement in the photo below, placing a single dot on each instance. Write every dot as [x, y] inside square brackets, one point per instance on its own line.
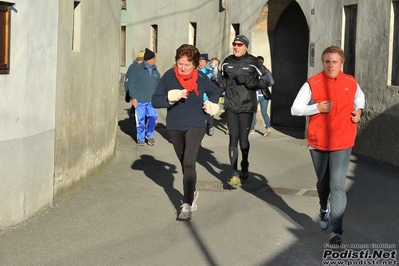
[152, 169]
[128, 126]
[256, 185]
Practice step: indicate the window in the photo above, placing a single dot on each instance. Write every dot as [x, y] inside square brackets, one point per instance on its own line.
[350, 39]
[234, 31]
[123, 4]
[76, 26]
[394, 45]
[123, 46]
[5, 21]
[192, 33]
[154, 38]
[222, 4]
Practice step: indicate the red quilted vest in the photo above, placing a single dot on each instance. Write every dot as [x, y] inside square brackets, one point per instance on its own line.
[334, 130]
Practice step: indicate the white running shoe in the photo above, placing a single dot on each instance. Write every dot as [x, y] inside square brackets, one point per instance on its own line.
[185, 213]
[267, 132]
[325, 218]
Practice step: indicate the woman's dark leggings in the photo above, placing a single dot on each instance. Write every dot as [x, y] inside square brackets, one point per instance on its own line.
[186, 145]
[239, 126]
[331, 168]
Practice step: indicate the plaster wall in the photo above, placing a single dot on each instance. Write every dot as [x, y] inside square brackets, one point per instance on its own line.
[58, 104]
[131, 50]
[379, 129]
[27, 112]
[173, 19]
[87, 91]
[325, 27]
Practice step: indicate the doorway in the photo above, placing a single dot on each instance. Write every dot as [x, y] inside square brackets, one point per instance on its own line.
[289, 46]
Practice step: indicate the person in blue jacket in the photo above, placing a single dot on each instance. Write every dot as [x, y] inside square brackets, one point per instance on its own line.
[181, 89]
[138, 60]
[211, 72]
[141, 83]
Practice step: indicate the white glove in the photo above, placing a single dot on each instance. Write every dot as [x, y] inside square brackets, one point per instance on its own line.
[175, 95]
[211, 108]
[211, 64]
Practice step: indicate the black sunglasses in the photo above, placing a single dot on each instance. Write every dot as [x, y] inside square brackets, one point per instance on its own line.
[239, 44]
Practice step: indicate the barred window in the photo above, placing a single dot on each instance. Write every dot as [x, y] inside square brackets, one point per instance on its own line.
[5, 21]
[154, 38]
[123, 46]
[394, 44]
[192, 34]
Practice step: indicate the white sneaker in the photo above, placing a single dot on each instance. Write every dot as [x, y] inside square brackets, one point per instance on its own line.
[267, 132]
[185, 213]
[194, 204]
[325, 218]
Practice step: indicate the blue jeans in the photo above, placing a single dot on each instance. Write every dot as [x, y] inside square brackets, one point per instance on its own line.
[263, 109]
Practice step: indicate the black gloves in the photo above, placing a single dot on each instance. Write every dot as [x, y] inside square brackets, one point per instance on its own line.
[127, 97]
[240, 79]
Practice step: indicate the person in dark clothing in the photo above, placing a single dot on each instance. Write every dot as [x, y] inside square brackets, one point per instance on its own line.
[263, 102]
[181, 89]
[242, 75]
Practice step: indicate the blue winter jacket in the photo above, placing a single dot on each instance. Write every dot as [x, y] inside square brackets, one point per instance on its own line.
[129, 70]
[140, 83]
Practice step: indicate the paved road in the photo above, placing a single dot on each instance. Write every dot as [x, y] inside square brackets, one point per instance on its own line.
[127, 216]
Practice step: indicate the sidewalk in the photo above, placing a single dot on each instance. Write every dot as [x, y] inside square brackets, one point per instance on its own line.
[127, 216]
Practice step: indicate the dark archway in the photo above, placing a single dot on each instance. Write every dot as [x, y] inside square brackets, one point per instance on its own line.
[289, 45]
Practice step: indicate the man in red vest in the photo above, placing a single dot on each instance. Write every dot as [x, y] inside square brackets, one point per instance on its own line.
[334, 103]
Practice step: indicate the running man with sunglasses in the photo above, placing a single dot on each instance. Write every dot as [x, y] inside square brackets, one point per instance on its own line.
[242, 76]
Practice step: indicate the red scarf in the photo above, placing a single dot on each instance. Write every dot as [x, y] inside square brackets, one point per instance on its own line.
[189, 81]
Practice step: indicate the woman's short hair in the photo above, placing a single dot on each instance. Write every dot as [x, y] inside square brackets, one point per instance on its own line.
[334, 50]
[217, 59]
[190, 51]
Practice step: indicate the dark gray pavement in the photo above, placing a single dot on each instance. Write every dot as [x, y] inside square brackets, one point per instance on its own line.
[127, 216]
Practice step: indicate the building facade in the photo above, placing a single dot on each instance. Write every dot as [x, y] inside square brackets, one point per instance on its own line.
[291, 36]
[59, 93]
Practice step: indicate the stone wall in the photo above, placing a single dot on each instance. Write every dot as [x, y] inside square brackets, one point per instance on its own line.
[59, 102]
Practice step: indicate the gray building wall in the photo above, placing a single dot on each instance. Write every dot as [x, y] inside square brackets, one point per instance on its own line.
[264, 23]
[130, 51]
[27, 112]
[379, 128]
[58, 106]
[87, 92]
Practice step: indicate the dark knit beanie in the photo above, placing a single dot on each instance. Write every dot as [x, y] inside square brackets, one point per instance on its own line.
[148, 54]
[243, 39]
[204, 57]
